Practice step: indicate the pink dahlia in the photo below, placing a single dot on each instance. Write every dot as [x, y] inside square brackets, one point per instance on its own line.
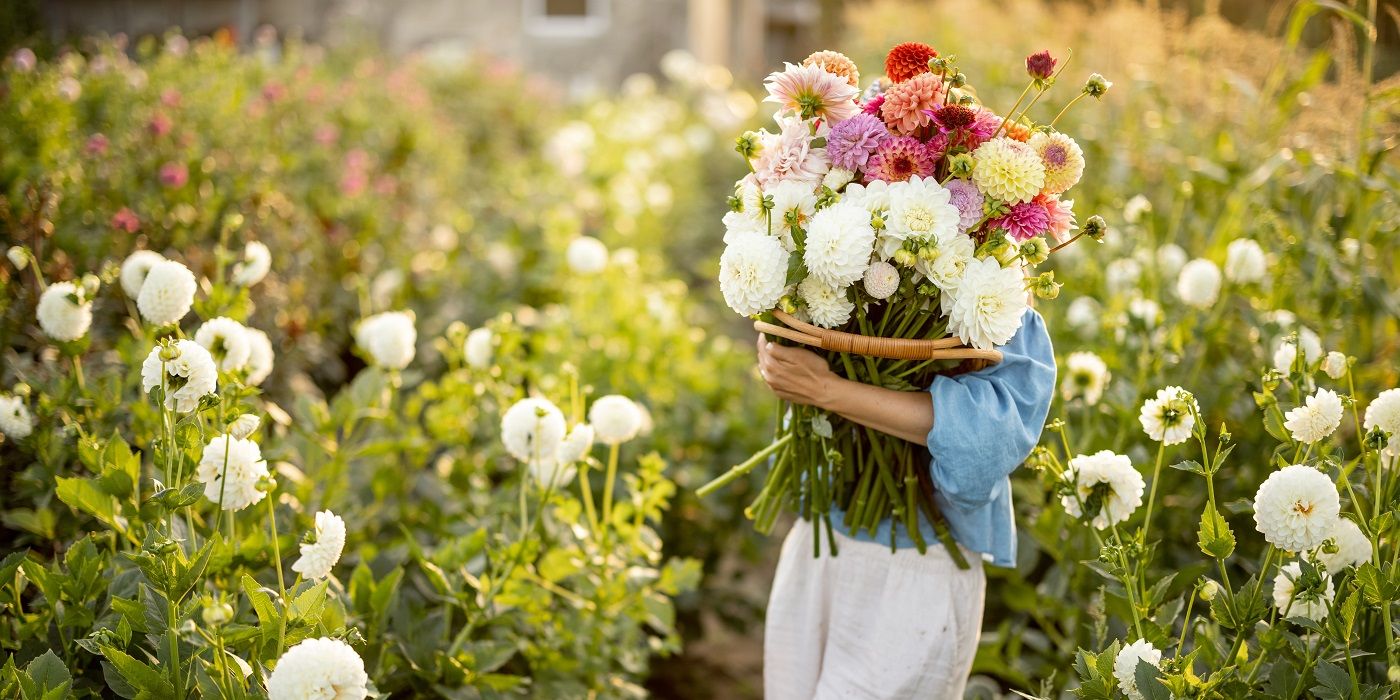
[851, 142]
[811, 92]
[968, 200]
[899, 158]
[1061, 213]
[126, 220]
[873, 106]
[159, 125]
[789, 155]
[96, 145]
[907, 104]
[1025, 221]
[174, 175]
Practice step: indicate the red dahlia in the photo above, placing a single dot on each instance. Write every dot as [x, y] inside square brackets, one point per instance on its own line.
[908, 60]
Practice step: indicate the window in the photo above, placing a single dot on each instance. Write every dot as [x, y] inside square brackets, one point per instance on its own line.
[566, 18]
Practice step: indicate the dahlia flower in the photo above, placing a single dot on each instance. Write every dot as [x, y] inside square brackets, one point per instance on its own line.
[322, 547]
[839, 241]
[15, 421]
[851, 142]
[1040, 65]
[227, 341]
[167, 293]
[827, 306]
[1062, 158]
[753, 273]
[873, 197]
[836, 178]
[1292, 602]
[479, 347]
[1198, 284]
[320, 668]
[1086, 375]
[835, 63]
[946, 269]
[1169, 416]
[259, 357]
[899, 158]
[789, 155]
[188, 376]
[174, 175]
[989, 303]
[1105, 484]
[576, 444]
[1061, 213]
[243, 426]
[1145, 310]
[968, 200]
[811, 92]
[881, 280]
[587, 255]
[615, 419]
[1296, 508]
[1287, 352]
[1008, 170]
[1136, 207]
[1170, 258]
[1122, 275]
[1024, 222]
[1245, 261]
[792, 199]
[230, 469]
[532, 430]
[135, 268]
[1317, 418]
[552, 473]
[1384, 413]
[1353, 547]
[920, 210]
[1126, 663]
[907, 60]
[1335, 365]
[64, 311]
[256, 263]
[907, 104]
[388, 339]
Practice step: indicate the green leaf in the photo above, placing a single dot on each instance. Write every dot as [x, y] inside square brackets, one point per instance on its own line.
[559, 564]
[1190, 465]
[1215, 537]
[144, 678]
[1333, 682]
[84, 495]
[48, 673]
[308, 605]
[1148, 683]
[262, 605]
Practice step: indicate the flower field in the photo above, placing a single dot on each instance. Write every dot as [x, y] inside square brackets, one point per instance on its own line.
[324, 371]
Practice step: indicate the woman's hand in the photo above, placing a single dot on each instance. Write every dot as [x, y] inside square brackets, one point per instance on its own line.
[794, 374]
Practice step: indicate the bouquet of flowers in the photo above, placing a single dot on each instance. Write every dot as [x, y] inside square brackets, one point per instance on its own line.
[894, 229]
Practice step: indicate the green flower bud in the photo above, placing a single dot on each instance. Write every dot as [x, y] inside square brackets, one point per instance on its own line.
[267, 484]
[1208, 590]
[904, 258]
[91, 284]
[1096, 228]
[19, 256]
[927, 289]
[1096, 86]
[877, 222]
[960, 165]
[959, 80]
[787, 305]
[1045, 287]
[928, 253]
[1035, 250]
[1393, 674]
[217, 614]
[748, 145]
[1376, 439]
[169, 352]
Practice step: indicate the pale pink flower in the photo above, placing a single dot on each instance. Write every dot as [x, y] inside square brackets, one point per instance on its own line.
[810, 92]
[789, 155]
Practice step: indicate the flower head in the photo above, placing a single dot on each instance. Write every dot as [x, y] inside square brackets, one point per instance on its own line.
[1086, 375]
[1299, 595]
[532, 430]
[920, 210]
[322, 547]
[226, 340]
[230, 469]
[1245, 261]
[479, 347]
[1063, 160]
[1107, 488]
[1008, 170]
[1288, 352]
[1198, 284]
[389, 339]
[989, 304]
[64, 311]
[839, 242]
[1296, 508]
[257, 261]
[1061, 213]
[576, 444]
[1040, 65]
[1384, 413]
[15, 421]
[615, 419]
[1335, 365]
[167, 293]
[908, 60]
[1317, 418]
[587, 255]
[753, 272]
[899, 158]
[187, 377]
[835, 63]
[1353, 547]
[811, 92]
[881, 279]
[1024, 222]
[827, 306]
[320, 668]
[1125, 665]
[260, 356]
[968, 199]
[908, 104]
[947, 268]
[850, 143]
[1169, 417]
[790, 155]
[174, 175]
[125, 220]
[134, 270]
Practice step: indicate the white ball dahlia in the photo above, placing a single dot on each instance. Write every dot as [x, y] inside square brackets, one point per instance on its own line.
[881, 280]
[1296, 508]
[1292, 602]
[227, 341]
[947, 268]
[1384, 413]
[1062, 158]
[1169, 416]
[389, 339]
[1126, 663]
[1317, 418]
[322, 668]
[1122, 275]
[753, 273]
[1008, 170]
[1198, 284]
[1086, 375]
[586, 255]
[1353, 548]
[479, 347]
[64, 311]
[577, 444]
[256, 263]
[920, 210]
[615, 419]
[988, 305]
[189, 374]
[1335, 365]
[260, 357]
[836, 178]
[532, 430]
[230, 469]
[321, 549]
[827, 307]
[135, 268]
[167, 294]
[839, 243]
[1105, 483]
[15, 421]
[1245, 261]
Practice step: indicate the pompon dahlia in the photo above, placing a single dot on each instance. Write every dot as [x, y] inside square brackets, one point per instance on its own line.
[1063, 159]
[968, 200]
[167, 293]
[899, 158]
[836, 63]
[1296, 508]
[908, 60]
[1008, 170]
[812, 92]
[319, 668]
[322, 548]
[851, 142]
[908, 104]
[881, 279]
[827, 306]
[1025, 221]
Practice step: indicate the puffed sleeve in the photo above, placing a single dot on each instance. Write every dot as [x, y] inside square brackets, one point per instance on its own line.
[986, 423]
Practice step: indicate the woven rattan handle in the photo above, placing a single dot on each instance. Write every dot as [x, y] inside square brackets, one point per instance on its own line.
[890, 348]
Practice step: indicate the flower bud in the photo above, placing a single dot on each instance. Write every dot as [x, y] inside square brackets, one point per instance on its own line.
[904, 258]
[1376, 439]
[1208, 590]
[19, 256]
[1041, 65]
[960, 165]
[927, 289]
[877, 222]
[928, 253]
[1096, 228]
[267, 484]
[1096, 86]
[959, 79]
[91, 284]
[243, 426]
[1035, 250]
[787, 305]
[169, 352]
[1045, 286]
[217, 614]
[748, 145]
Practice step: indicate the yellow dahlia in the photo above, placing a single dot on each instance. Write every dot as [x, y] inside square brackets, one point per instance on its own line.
[1063, 160]
[836, 63]
[1008, 170]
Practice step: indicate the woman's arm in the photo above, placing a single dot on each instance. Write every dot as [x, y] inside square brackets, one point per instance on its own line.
[802, 376]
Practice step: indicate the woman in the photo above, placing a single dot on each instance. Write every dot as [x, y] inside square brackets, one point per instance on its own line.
[869, 623]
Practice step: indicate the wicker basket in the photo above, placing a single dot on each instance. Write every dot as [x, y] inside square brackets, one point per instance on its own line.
[874, 346]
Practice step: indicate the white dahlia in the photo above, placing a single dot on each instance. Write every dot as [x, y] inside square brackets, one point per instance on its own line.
[1199, 283]
[1062, 158]
[587, 255]
[1169, 416]
[15, 421]
[552, 473]
[389, 339]
[1317, 418]
[1105, 484]
[259, 357]
[64, 311]
[321, 668]
[839, 242]
[1146, 311]
[1126, 663]
[532, 430]
[615, 419]
[1287, 351]
[1170, 259]
[828, 307]
[244, 426]
[1353, 547]
[189, 374]
[1122, 275]
[577, 444]
[167, 294]
[135, 268]
[881, 280]
[1086, 375]
[792, 200]
[873, 197]
[256, 263]
[1335, 365]
[230, 469]
[1245, 261]
[1296, 508]
[753, 273]
[1384, 413]
[322, 547]
[988, 305]
[479, 347]
[1008, 170]
[227, 340]
[947, 268]
[1311, 603]
[920, 210]
[1135, 208]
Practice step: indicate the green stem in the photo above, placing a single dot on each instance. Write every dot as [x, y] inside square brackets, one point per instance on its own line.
[281, 582]
[608, 489]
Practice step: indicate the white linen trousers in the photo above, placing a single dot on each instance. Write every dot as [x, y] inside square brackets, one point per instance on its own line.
[868, 623]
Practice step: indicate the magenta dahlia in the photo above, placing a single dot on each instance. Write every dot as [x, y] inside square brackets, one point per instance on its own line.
[1025, 221]
[899, 158]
